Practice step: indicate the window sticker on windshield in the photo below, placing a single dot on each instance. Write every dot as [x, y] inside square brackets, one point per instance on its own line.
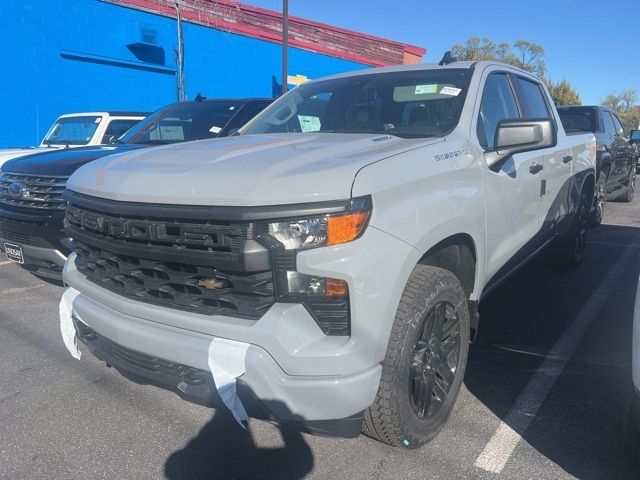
[422, 89]
[309, 123]
[215, 129]
[454, 92]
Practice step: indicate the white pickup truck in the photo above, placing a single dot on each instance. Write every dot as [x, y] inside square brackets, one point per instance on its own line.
[80, 130]
[324, 267]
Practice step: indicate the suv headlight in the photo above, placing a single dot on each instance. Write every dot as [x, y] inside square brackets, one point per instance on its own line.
[327, 299]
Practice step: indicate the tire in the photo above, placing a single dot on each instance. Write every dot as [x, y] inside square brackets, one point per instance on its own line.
[630, 188]
[570, 248]
[599, 200]
[425, 361]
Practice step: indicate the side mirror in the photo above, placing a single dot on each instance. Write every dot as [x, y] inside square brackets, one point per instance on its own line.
[634, 135]
[521, 135]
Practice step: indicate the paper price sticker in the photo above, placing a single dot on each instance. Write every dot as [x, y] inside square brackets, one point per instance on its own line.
[452, 91]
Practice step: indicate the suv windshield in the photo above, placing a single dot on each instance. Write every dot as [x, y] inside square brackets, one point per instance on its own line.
[72, 131]
[182, 122]
[578, 119]
[421, 103]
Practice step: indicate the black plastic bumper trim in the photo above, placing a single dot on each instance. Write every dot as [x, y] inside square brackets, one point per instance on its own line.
[205, 393]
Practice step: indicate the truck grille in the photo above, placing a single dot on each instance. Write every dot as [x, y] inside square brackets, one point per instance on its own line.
[33, 192]
[184, 287]
[183, 264]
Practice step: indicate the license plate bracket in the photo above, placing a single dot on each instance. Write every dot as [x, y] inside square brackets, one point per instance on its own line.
[14, 252]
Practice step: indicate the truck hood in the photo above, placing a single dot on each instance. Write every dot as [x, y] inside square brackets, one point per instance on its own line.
[11, 153]
[250, 170]
[62, 162]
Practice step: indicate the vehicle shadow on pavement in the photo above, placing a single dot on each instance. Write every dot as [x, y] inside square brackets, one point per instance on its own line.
[223, 450]
[578, 425]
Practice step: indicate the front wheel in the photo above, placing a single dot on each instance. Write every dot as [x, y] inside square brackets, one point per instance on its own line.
[424, 366]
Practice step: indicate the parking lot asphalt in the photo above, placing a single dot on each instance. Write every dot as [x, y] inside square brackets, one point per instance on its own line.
[543, 395]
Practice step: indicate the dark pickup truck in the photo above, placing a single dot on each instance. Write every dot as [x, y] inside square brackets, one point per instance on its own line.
[616, 154]
[31, 187]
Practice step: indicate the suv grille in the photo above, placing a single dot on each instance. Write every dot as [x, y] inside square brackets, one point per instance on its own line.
[32, 191]
[182, 264]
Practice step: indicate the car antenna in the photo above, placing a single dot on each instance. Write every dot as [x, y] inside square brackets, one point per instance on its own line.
[447, 59]
[200, 97]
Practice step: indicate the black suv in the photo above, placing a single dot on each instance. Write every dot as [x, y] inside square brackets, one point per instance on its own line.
[616, 155]
[31, 187]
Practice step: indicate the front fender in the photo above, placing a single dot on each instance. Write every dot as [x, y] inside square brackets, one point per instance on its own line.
[423, 200]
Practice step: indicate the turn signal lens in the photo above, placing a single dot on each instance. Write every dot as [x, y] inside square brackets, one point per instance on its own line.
[345, 228]
[336, 288]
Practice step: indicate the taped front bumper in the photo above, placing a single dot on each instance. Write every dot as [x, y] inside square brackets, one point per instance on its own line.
[176, 359]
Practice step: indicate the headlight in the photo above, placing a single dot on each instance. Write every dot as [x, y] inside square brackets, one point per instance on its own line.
[326, 299]
[320, 231]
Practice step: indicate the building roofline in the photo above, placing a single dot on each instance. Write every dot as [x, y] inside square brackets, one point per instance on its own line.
[166, 8]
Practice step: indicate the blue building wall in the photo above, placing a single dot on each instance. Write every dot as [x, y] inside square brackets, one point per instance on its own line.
[64, 56]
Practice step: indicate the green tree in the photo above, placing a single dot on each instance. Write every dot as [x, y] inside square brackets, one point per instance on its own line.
[523, 54]
[625, 106]
[563, 93]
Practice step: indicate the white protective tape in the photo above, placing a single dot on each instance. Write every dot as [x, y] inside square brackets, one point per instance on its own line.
[227, 362]
[67, 328]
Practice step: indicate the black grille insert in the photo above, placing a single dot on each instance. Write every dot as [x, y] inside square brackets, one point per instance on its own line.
[194, 288]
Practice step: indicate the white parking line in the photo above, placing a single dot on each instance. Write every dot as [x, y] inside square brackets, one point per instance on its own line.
[11, 291]
[6, 263]
[497, 452]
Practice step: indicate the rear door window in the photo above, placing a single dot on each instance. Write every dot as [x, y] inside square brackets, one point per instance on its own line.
[532, 99]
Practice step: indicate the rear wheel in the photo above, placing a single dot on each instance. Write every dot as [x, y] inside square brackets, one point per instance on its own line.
[425, 361]
[600, 200]
[630, 188]
[570, 248]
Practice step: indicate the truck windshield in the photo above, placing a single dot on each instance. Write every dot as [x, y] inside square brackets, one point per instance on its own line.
[72, 130]
[578, 119]
[182, 122]
[420, 103]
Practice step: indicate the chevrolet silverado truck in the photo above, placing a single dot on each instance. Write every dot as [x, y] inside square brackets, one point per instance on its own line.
[615, 158]
[331, 257]
[31, 205]
[78, 130]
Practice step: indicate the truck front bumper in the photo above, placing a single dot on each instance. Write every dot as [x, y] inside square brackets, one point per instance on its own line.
[44, 245]
[176, 359]
[298, 373]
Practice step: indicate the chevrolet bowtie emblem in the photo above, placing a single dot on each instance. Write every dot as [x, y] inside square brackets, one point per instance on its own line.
[211, 283]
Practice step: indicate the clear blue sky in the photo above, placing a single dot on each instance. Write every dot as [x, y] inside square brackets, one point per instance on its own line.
[593, 44]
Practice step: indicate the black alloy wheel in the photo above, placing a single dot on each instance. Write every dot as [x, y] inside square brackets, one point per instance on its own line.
[434, 360]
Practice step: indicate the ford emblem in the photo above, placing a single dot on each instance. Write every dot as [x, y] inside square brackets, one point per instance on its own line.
[17, 190]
